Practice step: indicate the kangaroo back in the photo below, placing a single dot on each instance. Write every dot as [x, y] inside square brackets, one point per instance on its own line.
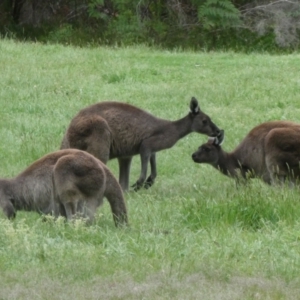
[252, 150]
[80, 183]
[283, 153]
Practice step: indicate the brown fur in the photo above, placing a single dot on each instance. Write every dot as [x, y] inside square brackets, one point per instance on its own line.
[64, 182]
[270, 151]
[117, 130]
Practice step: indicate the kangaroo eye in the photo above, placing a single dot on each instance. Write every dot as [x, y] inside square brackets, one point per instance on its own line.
[207, 149]
[204, 122]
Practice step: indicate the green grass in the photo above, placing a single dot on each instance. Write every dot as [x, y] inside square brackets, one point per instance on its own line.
[194, 234]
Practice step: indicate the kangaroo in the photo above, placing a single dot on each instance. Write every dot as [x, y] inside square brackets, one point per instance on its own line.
[118, 130]
[270, 151]
[65, 182]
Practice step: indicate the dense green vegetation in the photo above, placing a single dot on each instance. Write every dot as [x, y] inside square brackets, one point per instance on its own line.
[194, 234]
[237, 25]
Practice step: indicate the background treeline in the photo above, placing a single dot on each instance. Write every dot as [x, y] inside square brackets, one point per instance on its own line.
[206, 24]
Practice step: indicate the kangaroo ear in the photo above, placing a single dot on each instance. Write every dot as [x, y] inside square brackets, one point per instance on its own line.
[194, 107]
[219, 139]
[211, 140]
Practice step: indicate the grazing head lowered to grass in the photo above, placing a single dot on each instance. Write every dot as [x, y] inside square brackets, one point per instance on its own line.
[66, 182]
[118, 130]
[270, 151]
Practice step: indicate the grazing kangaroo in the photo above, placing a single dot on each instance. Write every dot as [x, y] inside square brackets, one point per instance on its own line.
[270, 151]
[64, 182]
[117, 130]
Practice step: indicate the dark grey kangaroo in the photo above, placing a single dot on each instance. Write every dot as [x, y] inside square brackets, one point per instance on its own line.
[65, 182]
[117, 130]
[270, 151]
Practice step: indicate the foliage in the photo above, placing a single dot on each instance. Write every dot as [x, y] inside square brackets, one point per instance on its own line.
[218, 13]
[5, 16]
[280, 17]
[198, 24]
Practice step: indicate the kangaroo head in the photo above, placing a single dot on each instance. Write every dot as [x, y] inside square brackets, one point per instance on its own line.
[201, 122]
[209, 152]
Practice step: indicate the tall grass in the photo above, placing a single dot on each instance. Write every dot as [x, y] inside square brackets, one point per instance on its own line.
[253, 208]
[194, 234]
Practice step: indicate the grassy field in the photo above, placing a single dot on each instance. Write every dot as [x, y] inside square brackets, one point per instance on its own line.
[194, 234]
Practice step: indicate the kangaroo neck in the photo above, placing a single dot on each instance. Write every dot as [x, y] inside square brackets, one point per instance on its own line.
[172, 131]
[13, 193]
[228, 164]
[182, 127]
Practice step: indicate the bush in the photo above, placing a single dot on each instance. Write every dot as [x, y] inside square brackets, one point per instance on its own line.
[198, 24]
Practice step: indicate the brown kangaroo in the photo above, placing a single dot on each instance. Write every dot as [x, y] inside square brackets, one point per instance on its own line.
[64, 182]
[117, 130]
[270, 151]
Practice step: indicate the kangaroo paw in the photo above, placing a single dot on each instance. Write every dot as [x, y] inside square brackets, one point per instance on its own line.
[149, 182]
[121, 220]
[136, 186]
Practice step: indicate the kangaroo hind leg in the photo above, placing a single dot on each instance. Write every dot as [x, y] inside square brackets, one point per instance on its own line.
[150, 180]
[124, 172]
[91, 134]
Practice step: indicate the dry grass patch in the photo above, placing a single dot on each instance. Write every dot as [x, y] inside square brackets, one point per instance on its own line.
[34, 285]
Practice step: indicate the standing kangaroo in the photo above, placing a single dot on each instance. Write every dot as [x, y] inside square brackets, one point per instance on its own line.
[270, 151]
[117, 130]
[64, 182]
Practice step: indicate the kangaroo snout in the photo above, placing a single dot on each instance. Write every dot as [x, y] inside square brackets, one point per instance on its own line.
[216, 132]
[194, 157]
[210, 129]
[197, 156]
[9, 210]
